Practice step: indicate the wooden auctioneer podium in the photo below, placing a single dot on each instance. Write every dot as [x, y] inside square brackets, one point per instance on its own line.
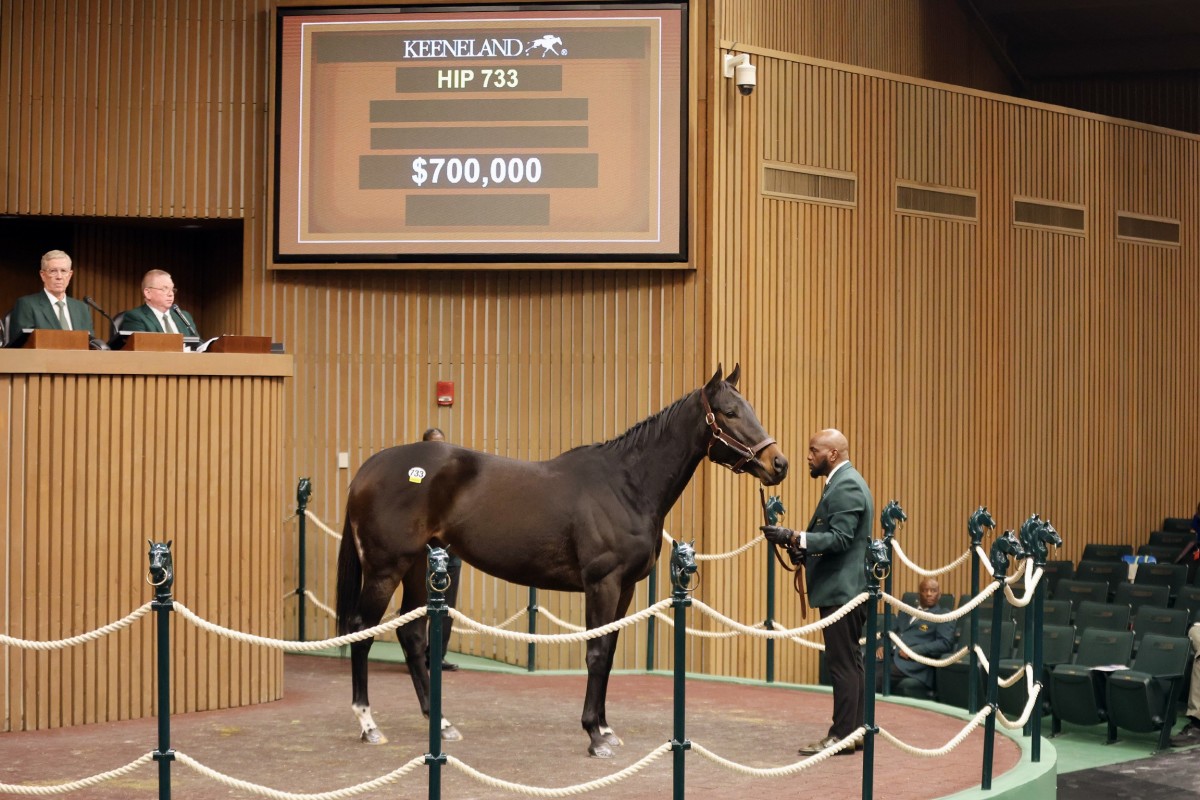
[102, 451]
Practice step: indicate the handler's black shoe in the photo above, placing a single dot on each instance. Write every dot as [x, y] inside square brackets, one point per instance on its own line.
[449, 666]
[823, 745]
[1187, 737]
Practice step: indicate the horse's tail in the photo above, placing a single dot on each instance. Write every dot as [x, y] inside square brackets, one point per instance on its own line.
[349, 580]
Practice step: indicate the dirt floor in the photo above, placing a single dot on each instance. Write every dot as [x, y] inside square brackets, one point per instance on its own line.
[522, 728]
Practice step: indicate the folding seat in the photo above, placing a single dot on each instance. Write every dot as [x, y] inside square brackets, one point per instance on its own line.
[1105, 552]
[1104, 616]
[1058, 647]
[1054, 612]
[1177, 524]
[1136, 595]
[1176, 539]
[1077, 591]
[1055, 571]
[1156, 619]
[952, 681]
[1189, 598]
[1111, 572]
[1077, 689]
[1161, 553]
[1173, 576]
[1143, 697]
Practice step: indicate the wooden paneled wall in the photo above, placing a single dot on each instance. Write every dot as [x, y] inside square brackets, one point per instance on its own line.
[970, 362]
[98, 453]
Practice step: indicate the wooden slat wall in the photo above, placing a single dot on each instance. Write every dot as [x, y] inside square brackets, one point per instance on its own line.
[970, 362]
[163, 457]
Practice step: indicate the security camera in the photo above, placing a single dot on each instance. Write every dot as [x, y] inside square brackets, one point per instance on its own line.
[744, 74]
[746, 77]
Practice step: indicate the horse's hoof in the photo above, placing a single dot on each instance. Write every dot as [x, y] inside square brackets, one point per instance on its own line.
[451, 734]
[373, 736]
[600, 750]
[611, 738]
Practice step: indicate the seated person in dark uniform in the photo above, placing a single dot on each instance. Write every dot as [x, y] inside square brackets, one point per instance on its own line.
[159, 314]
[929, 639]
[51, 308]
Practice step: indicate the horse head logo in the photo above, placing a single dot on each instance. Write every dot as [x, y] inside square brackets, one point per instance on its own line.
[439, 569]
[1006, 545]
[891, 516]
[1036, 533]
[162, 566]
[683, 565]
[547, 44]
[980, 519]
[879, 560]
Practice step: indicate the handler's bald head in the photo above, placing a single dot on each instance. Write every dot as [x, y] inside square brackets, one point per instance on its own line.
[826, 449]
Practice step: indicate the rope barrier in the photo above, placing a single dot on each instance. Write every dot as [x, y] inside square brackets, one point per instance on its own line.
[899, 551]
[82, 783]
[286, 644]
[316, 521]
[265, 791]
[564, 791]
[59, 644]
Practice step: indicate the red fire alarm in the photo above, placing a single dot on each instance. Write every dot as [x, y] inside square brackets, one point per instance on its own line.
[445, 393]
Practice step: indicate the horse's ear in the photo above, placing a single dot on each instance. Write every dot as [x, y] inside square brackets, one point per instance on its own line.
[149, 542]
[734, 375]
[169, 543]
[714, 381]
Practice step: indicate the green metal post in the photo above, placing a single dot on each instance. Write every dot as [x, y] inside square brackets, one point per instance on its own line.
[683, 567]
[303, 492]
[531, 650]
[989, 730]
[651, 594]
[770, 621]
[976, 534]
[438, 581]
[878, 564]
[162, 577]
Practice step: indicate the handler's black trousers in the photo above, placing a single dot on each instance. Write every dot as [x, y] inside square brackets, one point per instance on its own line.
[843, 659]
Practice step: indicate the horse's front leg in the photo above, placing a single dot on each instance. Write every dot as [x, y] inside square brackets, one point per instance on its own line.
[600, 654]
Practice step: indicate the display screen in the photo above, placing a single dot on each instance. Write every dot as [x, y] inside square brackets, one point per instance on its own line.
[506, 134]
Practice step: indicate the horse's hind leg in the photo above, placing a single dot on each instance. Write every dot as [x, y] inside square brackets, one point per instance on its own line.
[371, 605]
[414, 639]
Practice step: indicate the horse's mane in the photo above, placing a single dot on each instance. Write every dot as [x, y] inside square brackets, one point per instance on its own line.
[642, 433]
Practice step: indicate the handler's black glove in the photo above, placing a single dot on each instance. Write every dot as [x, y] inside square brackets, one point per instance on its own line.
[777, 535]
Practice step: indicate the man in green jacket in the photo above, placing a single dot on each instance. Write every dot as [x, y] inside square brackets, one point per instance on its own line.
[833, 549]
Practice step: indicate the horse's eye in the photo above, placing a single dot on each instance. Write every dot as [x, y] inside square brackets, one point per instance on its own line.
[731, 413]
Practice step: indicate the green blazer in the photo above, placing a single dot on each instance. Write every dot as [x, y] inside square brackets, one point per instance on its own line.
[145, 318]
[837, 540]
[34, 311]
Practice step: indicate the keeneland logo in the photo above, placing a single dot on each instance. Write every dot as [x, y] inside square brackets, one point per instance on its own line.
[483, 48]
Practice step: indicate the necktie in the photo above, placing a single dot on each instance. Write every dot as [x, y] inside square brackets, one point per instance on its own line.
[63, 319]
[166, 323]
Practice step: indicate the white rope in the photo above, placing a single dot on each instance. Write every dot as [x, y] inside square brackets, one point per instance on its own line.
[1033, 578]
[560, 622]
[704, 634]
[722, 556]
[949, 616]
[983, 557]
[920, 659]
[898, 550]
[285, 644]
[322, 525]
[265, 791]
[958, 739]
[790, 769]
[558, 638]
[1034, 690]
[312, 597]
[781, 633]
[564, 791]
[505, 624]
[83, 783]
[59, 644]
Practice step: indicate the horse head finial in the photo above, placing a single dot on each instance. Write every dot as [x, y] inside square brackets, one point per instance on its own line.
[892, 515]
[878, 562]
[980, 519]
[773, 509]
[683, 565]
[1006, 545]
[161, 572]
[439, 569]
[303, 492]
[1036, 533]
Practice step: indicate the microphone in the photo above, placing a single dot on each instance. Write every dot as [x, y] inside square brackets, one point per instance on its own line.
[178, 313]
[93, 342]
[112, 326]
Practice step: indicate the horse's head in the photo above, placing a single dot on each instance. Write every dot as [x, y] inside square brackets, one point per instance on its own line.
[891, 516]
[736, 439]
[980, 519]
[162, 566]
[879, 561]
[1005, 545]
[683, 564]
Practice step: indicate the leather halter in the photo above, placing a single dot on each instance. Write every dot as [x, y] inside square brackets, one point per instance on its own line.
[746, 452]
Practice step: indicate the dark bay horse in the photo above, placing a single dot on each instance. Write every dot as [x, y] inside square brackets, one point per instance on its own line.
[589, 520]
